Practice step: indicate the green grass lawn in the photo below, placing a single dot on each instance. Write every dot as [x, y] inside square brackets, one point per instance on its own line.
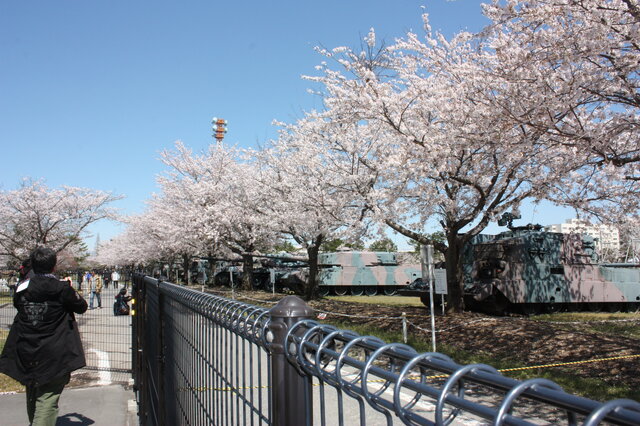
[7, 384]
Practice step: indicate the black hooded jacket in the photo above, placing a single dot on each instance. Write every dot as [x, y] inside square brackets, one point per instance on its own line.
[44, 341]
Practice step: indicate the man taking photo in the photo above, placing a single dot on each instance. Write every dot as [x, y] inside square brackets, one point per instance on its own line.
[43, 346]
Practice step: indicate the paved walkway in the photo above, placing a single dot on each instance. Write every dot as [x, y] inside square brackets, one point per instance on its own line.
[102, 397]
[98, 405]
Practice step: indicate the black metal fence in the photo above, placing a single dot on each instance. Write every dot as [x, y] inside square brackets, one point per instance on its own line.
[107, 341]
[199, 359]
[205, 360]
[106, 338]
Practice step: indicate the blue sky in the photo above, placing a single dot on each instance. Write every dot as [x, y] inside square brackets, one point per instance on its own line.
[91, 91]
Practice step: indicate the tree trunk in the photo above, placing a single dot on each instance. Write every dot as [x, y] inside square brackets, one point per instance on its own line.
[455, 279]
[312, 280]
[186, 263]
[247, 272]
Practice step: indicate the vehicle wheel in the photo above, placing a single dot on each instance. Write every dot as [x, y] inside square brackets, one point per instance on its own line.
[323, 291]
[613, 307]
[357, 291]
[426, 301]
[593, 307]
[390, 290]
[500, 304]
[340, 290]
[371, 291]
[220, 280]
[552, 308]
[528, 309]
[260, 283]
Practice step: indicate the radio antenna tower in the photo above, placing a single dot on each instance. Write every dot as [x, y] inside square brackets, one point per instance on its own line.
[219, 128]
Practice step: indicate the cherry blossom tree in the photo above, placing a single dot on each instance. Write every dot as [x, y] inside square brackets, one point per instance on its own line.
[35, 214]
[542, 104]
[208, 207]
[430, 135]
[309, 180]
[136, 245]
[222, 191]
[166, 232]
[572, 66]
[175, 223]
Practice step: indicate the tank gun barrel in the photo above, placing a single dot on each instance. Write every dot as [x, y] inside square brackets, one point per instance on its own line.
[275, 256]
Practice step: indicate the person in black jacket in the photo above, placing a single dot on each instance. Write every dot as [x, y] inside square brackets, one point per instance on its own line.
[121, 305]
[43, 346]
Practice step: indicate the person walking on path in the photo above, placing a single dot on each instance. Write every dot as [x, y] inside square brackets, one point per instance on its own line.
[106, 278]
[96, 289]
[86, 283]
[43, 346]
[79, 279]
[115, 277]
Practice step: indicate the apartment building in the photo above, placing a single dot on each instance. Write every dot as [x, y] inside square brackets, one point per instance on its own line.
[607, 237]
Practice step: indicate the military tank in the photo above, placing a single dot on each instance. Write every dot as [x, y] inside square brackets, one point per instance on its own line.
[340, 273]
[529, 270]
[363, 272]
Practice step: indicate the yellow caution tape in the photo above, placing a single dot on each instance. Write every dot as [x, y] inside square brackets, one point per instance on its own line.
[227, 389]
[570, 363]
[559, 364]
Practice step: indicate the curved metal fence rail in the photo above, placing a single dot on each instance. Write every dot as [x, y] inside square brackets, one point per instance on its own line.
[379, 374]
[203, 359]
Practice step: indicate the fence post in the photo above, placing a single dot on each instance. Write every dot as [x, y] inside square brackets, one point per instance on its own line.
[291, 391]
[136, 346]
[141, 373]
[162, 406]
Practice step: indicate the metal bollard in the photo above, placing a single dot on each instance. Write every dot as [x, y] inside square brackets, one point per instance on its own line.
[291, 391]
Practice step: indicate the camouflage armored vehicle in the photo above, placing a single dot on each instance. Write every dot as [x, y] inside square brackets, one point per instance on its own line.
[528, 270]
[363, 272]
[287, 273]
[341, 273]
[284, 271]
